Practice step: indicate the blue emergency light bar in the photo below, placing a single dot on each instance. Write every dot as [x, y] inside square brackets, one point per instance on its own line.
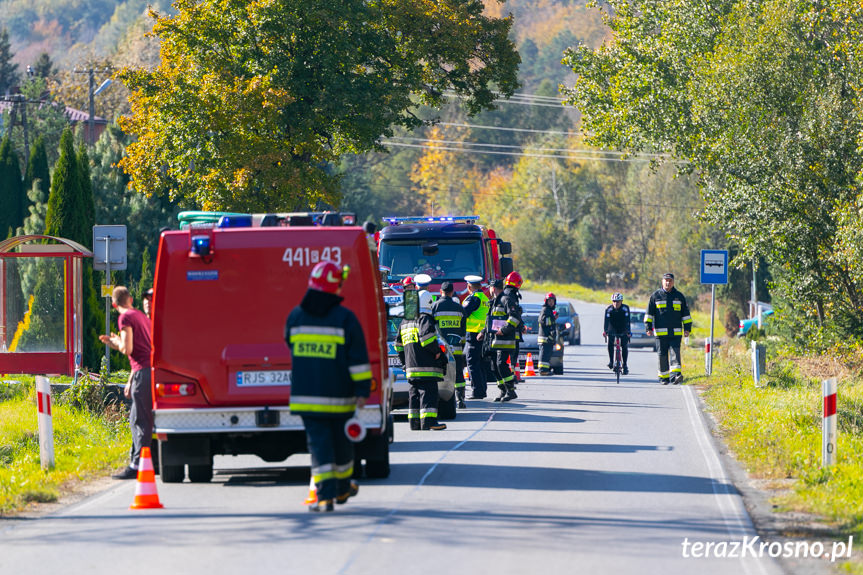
[235, 221]
[431, 220]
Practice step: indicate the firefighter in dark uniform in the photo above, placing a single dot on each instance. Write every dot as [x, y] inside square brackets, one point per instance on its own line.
[504, 328]
[617, 323]
[330, 378]
[668, 316]
[547, 335]
[475, 308]
[449, 315]
[425, 365]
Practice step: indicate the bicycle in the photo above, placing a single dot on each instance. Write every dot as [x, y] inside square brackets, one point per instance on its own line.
[618, 357]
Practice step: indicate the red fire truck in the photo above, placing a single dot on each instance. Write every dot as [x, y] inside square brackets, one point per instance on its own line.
[221, 368]
[445, 248]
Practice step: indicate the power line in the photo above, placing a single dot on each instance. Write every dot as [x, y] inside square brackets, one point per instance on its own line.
[526, 130]
[518, 154]
[470, 144]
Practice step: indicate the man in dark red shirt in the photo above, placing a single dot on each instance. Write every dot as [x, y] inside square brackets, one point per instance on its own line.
[134, 342]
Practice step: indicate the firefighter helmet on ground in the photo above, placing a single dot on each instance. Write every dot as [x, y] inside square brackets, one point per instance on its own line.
[513, 279]
[328, 277]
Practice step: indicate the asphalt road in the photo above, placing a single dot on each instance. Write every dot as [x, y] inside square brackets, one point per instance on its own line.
[578, 475]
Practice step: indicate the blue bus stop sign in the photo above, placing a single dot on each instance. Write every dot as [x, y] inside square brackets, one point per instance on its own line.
[714, 266]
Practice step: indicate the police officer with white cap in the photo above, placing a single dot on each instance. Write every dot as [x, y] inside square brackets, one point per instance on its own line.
[475, 311]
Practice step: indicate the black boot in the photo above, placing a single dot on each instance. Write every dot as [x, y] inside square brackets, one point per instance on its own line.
[415, 423]
[502, 394]
[460, 397]
[510, 395]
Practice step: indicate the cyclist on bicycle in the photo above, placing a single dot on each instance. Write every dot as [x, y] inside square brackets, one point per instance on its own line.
[617, 323]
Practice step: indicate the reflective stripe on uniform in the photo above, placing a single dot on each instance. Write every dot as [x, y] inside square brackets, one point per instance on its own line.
[360, 372]
[648, 318]
[428, 340]
[423, 372]
[318, 330]
[428, 413]
[319, 404]
[661, 331]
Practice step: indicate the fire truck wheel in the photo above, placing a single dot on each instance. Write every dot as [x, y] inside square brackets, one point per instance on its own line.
[172, 473]
[201, 473]
[446, 409]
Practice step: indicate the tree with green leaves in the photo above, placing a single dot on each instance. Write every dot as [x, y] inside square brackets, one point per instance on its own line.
[12, 196]
[253, 101]
[8, 68]
[760, 100]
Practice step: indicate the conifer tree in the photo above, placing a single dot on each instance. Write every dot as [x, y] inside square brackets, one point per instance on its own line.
[12, 197]
[8, 69]
[63, 218]
[44, 66]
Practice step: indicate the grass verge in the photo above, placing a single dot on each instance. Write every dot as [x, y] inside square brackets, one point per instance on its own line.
[86, 445]
[774, 431]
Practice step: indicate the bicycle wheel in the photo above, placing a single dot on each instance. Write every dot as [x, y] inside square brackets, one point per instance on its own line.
[617, 371]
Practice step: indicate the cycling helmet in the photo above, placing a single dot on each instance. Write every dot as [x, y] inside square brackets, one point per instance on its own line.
[513, 279]
[328, 277]
[425, 301]
[617, 297]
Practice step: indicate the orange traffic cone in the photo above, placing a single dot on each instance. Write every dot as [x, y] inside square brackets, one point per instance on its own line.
[313, 493]
[146, 496]
[528, 368]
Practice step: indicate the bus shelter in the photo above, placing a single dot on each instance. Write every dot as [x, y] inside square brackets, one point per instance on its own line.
[41, 304]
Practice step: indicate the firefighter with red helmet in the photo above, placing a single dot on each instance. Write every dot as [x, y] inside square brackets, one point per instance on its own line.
[547, 335]
[330, 378]
[425, 365]
[503, 328]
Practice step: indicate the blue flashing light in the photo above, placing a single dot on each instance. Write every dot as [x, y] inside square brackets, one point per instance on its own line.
[393, 221]
[201, 245]
[235, 221]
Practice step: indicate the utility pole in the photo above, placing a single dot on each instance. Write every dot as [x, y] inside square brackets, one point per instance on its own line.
[91, 121]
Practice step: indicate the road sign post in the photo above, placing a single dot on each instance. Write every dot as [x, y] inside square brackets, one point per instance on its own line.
[714, 270]
[109, 253]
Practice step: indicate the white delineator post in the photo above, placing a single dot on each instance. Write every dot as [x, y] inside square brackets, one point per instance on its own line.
[828, 423]
[46, 425]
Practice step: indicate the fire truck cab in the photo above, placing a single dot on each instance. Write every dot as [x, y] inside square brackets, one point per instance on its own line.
[221, 368]
[445, 248]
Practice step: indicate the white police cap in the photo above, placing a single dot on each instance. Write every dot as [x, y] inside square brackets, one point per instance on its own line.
[422, 279]
[473, 279]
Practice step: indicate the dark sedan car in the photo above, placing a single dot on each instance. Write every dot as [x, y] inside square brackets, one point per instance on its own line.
[568, 323]
[529, 344]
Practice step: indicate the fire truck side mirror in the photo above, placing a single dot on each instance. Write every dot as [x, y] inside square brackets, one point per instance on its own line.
[504, 248]
[506, 266]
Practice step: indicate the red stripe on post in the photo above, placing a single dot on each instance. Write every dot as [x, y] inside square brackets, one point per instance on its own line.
[39, 400]
[48, 404]
[830, 405]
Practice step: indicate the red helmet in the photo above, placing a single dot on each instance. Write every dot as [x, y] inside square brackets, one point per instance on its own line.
[513, 279]
[549, 296]
[408, 283]
[327, 277]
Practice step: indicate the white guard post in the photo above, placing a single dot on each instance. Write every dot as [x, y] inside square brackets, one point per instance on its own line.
[828, 423]
[46, 426]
